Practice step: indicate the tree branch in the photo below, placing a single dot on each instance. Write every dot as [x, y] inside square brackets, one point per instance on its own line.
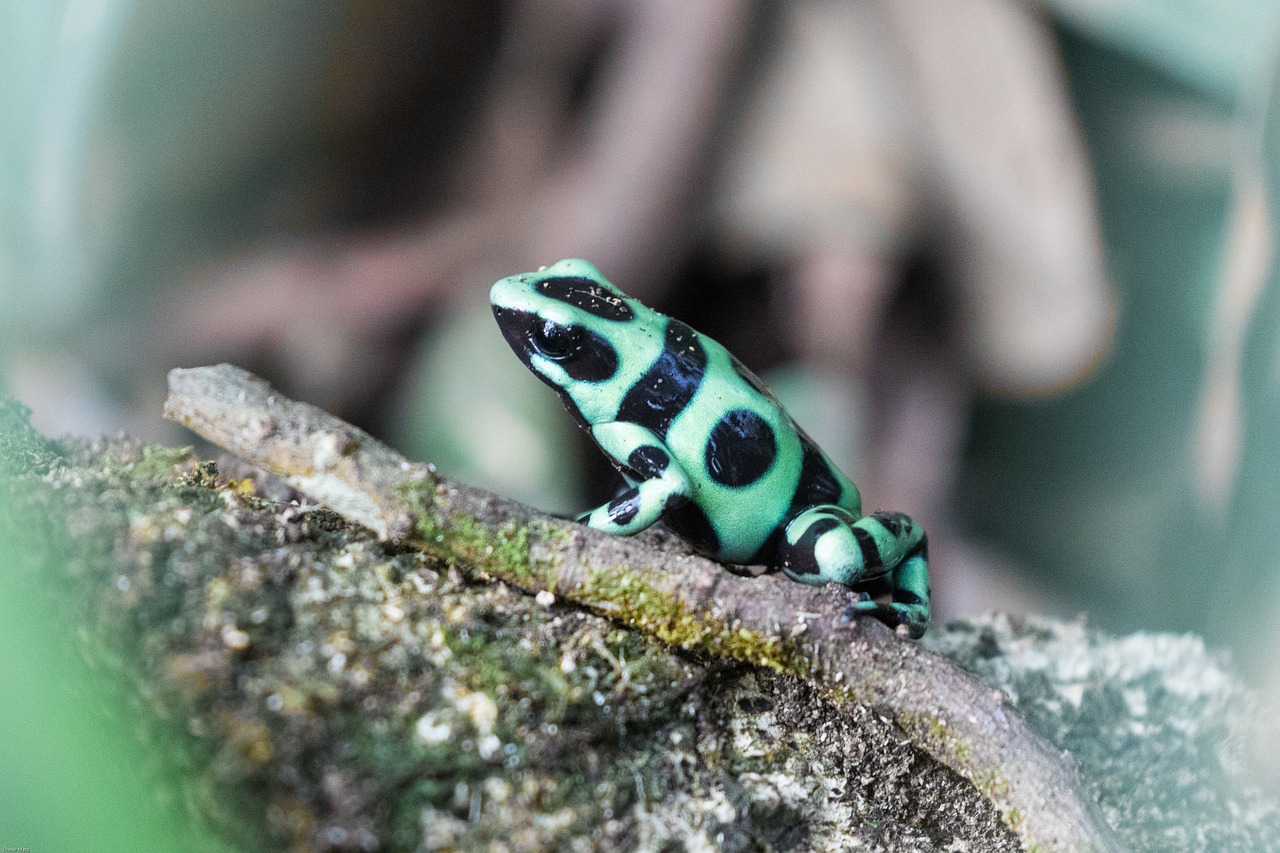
[654, 583]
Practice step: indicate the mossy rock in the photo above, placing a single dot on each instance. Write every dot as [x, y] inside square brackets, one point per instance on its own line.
[319, 690]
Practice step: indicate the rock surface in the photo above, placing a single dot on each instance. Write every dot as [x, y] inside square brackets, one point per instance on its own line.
[325, 691]
[1163, 733]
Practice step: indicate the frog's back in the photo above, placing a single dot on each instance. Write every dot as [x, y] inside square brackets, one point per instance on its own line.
[752, 468]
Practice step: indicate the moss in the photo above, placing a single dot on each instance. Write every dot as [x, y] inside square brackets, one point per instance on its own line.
[625, 595]
[502, 551]
[958, 749]
[99, 528]
[993, 787]
[164, 464]
[421, 499]
[520, 695]
[991, 784]
[328, 686]
[617, 592]
[500, 690]
[22, 448]
[368, 678]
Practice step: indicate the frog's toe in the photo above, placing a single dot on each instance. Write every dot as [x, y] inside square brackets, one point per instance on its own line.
[913, 617]
[864, 606]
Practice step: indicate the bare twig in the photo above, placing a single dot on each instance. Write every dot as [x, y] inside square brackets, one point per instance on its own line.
[655, 584]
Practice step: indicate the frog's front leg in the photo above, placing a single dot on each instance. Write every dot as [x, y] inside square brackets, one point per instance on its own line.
[826, 543]
[657, 482]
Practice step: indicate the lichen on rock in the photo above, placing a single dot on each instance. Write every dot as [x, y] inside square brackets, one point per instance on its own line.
[1159, 726]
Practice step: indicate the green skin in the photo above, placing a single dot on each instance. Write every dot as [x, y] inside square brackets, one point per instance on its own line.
[703, 445]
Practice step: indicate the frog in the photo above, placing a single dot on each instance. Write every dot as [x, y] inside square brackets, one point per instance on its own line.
[704, 447]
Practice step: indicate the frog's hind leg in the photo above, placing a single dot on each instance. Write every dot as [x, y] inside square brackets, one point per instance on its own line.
[826, 543]
[910, 582]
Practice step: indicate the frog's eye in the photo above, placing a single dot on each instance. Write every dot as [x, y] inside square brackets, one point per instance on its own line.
[553, 340]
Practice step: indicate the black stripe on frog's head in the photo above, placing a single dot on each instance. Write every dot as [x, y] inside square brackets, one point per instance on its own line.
[593, 295]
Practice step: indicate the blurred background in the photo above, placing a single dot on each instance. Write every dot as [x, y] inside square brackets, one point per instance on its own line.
[1011, 263]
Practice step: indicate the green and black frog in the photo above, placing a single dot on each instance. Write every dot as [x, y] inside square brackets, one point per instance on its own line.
[703, 445]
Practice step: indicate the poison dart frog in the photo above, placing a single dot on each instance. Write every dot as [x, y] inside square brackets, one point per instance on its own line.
[703, 445]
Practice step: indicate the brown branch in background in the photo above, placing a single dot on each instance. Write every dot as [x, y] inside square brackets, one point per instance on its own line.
[654, 584]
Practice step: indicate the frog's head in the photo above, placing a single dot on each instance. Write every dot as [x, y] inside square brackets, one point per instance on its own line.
[576, 332]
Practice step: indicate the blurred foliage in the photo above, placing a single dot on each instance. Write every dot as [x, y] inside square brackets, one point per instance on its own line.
[1099, 487]
[1218, 49]
[1251, 552]
[127, 149]
[76, 776]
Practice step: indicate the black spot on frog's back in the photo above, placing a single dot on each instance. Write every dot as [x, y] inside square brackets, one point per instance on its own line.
[740, 449]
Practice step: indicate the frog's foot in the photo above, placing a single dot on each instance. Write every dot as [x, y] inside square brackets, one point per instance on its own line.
[910, 604]
[827, 544]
